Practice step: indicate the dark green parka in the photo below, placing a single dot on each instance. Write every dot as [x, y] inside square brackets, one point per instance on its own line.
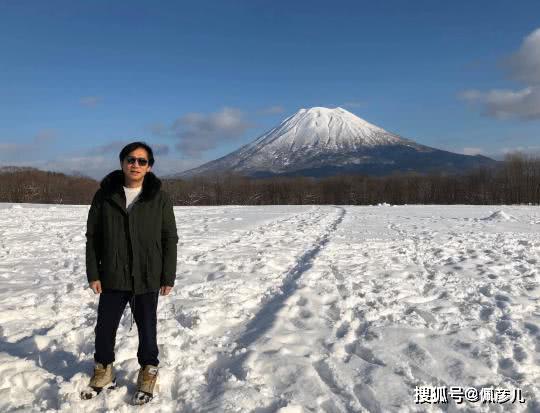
[133, 251]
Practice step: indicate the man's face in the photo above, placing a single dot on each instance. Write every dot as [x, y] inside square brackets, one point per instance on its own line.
[133, 171]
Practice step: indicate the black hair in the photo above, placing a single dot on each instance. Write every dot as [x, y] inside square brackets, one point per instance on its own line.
[130, 147]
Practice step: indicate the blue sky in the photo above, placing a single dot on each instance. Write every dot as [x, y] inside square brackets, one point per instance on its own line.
[198, 79]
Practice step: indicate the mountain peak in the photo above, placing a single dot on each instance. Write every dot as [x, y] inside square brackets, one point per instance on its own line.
[321, 109]
[321, 141]
[329, 129]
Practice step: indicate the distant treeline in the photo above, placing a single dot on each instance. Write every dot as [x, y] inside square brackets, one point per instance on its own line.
[516, 181]
[22, 184]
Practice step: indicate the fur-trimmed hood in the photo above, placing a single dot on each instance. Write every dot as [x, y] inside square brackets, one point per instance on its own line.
[114, 182]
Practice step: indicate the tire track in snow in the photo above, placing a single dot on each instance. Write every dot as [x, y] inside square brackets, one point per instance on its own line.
[335, 365]
[208, 316]
[299, 361]
[265, 253]
[240, 235]
[233, 363]
[322, 311]
[314, 353]
[263, 320]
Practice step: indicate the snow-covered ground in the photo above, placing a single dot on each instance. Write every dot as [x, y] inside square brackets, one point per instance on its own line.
[287, 308]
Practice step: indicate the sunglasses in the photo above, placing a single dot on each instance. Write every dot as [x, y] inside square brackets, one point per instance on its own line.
[141, 161]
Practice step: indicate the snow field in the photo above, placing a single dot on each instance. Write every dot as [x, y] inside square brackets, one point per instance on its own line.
[287, 308]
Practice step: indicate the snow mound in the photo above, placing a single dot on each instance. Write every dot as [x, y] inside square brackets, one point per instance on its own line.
[500, 216]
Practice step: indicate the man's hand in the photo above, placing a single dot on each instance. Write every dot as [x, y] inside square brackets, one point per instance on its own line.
[165, 289]
[96, 286]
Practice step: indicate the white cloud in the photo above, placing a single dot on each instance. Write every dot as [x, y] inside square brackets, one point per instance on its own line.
[198, 132]
[523, 65]
[507, 104]
[93, 166]
[15, 150]
[108, 148]
[9, 148]
[98, 166]
[116, 146]
[158, 129]
[160, 149]
[94, 162]
[170, 166]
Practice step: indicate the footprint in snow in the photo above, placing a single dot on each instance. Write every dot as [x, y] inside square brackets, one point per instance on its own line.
[486, 313]
[302, 301]
[417, 354]
[455, 368]
[520, 354]
[342, 330]
[214, 276]
[364, 353]
[507, 367]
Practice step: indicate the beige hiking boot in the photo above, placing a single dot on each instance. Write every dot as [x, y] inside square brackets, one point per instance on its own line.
[146, 384]
[103, 378]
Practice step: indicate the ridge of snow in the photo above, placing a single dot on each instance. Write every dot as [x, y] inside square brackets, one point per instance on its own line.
[499, 216]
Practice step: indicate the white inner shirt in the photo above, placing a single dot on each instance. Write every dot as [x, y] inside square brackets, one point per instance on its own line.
[131, 196]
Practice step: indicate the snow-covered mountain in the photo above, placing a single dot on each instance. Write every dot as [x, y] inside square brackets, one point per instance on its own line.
[321, 142]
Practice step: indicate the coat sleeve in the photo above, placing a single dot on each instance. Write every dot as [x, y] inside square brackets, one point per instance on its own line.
[93, 238]
[169, 239]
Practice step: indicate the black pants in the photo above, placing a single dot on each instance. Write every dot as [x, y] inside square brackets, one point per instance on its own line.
[111, 306]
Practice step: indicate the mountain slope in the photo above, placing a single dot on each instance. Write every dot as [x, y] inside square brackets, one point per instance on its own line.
[322, 142]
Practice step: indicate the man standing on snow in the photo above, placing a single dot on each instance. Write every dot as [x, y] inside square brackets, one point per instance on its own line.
[130, 257]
